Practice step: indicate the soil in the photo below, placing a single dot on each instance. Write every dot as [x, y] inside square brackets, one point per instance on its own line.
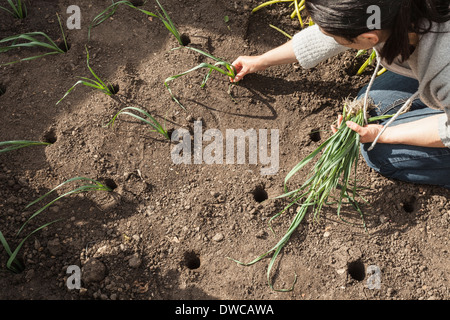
[166, 230]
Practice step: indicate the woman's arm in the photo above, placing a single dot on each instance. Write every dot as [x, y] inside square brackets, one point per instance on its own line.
[423, 132]
[283, 54]
[308, 47]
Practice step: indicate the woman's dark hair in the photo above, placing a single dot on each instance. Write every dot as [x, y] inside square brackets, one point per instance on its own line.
[349, 19]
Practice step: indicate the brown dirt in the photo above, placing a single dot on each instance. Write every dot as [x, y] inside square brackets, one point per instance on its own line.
[167, 230]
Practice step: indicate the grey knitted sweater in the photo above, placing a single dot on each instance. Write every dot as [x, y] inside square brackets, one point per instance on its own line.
[429, 64]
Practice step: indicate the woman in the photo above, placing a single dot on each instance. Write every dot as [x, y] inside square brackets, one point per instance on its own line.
[413, 43]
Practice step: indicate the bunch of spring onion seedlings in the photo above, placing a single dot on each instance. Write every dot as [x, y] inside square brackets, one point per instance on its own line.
[18, 144]
[14, 264]
[98, 83]
[220, 66]
[33, 40]
[151, 121]
[299, 6]
[17, 9]
[331, 172]
[110, 11]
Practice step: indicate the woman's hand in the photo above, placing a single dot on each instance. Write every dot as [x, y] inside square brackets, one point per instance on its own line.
[247, 64]
[367, 133]
[283, 54]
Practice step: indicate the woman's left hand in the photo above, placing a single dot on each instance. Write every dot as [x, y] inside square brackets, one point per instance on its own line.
[367, 133]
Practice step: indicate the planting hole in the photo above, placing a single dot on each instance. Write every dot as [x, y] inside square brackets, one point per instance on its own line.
[170, 132]
[259, 194]
[110, 183]
[114, 88]
[356, 270]
[2, 89]
[50, 136]
[191, 260]
[62, 45]
[314, 135]
[410, 205]
[185, 40]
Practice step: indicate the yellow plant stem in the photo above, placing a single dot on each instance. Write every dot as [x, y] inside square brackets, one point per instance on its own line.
[268, 3]
[279, 30]
[381, 71]
[297, 10]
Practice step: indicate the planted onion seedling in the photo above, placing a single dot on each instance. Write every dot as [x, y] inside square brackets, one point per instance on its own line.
[164, 17]
[98, 83]
[107, 13]
[17, 9]
[33, 40]
[92, 185]
[220, 66]
[169, 24]
[14, 264]
[332, 171]
[151, 121]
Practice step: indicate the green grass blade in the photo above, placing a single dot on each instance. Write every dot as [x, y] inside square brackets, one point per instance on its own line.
[201, 52]
[30, 37]
[200, 66]
[105, 14]
[86, 83]
[12, 258]
[94, 186]
[18, 10]
[66, 182]
[31, 42]
[5, 244]
[99, 84]
[92, 71]
[153, 122]
[74, 191]
[169, 24]
[305, 161]
[62, 32]
[5, 9]
[18, 144]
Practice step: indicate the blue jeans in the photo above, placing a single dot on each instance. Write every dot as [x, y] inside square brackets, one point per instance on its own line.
[402, 162]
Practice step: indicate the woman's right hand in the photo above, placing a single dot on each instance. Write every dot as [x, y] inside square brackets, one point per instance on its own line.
[245, 65]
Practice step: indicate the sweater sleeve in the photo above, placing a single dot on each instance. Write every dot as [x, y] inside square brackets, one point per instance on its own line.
[439, 94]
[444, 128]
[311, 47]
[442, 92]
